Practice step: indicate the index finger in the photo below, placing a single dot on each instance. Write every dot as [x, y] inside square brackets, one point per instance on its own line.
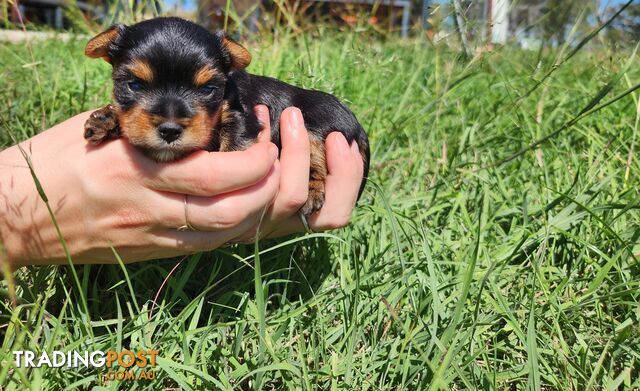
[345, 170]
[209, 173]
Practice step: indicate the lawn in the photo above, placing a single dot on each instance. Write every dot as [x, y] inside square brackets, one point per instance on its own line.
[477, 258]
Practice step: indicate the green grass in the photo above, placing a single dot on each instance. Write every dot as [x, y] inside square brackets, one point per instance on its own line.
[476, 258]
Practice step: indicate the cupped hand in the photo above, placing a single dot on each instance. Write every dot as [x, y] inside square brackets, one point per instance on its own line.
[345, 171]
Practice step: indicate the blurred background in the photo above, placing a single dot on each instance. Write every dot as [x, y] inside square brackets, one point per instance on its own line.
[471, 24]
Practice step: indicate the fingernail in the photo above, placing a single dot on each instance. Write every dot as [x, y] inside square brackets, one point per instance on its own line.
[341, 145]
[295, 119]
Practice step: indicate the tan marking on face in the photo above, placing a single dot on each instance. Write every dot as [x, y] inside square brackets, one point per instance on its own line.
[198, 130]
[204, 75]
[139, 127]
[141, 69]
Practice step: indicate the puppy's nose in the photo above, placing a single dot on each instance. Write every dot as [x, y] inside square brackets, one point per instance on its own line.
[170, 131]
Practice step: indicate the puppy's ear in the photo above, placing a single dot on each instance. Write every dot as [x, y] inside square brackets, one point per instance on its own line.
[98, 46]
[238, 56]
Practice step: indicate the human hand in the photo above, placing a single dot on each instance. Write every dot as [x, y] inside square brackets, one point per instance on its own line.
[113, 196]
[345, 171]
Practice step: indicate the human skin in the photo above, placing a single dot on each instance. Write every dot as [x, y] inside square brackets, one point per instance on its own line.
[113, 197]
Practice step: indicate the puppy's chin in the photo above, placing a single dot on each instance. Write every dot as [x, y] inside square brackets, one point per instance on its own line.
[166, 154]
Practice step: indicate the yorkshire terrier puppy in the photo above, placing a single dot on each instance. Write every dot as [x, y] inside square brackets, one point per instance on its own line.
[178, 88]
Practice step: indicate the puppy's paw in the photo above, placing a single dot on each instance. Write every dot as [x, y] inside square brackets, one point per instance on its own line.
[315, 201]
[102, 125]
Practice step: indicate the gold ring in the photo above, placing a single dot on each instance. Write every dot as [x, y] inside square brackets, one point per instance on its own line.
[303, 218]
[187, 226]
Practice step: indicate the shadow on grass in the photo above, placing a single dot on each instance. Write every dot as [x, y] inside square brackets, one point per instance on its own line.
[292, 273]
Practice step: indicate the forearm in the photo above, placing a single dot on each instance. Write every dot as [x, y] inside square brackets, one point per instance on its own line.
[26, 228]
[16, 198]
[20, 208]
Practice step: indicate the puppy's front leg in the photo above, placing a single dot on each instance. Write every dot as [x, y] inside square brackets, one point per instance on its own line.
[317, 176]
[102, 125]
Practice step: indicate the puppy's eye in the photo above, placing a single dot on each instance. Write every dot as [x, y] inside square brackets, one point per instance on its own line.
[208, 89]
[135, 85]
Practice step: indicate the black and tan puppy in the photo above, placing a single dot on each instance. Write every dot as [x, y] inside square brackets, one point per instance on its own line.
[178, 88]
